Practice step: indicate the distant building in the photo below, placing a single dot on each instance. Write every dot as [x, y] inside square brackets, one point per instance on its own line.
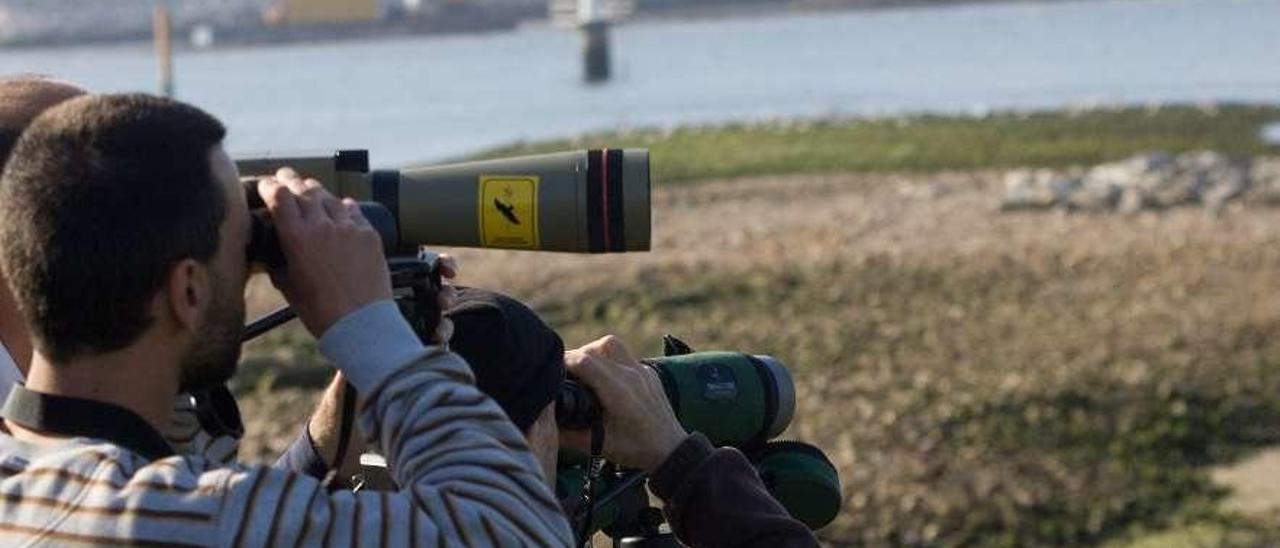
[571, 12]
[325, 11]
[56, 21]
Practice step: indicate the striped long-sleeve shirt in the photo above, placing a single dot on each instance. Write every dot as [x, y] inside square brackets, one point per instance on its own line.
[185, 433]
[468, 475]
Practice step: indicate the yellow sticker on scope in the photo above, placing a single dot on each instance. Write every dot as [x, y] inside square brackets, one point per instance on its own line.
[509, 211]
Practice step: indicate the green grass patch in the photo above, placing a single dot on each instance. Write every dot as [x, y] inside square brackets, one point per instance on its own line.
[929, 142]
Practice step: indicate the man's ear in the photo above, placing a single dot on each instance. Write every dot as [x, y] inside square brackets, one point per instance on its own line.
[188, 293]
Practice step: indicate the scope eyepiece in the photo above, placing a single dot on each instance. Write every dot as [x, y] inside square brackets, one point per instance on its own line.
[576, 406]
[264, 243]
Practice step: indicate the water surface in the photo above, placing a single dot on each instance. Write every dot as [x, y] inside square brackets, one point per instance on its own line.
[429, 98]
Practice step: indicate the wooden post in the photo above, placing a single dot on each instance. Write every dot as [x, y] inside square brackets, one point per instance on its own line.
[162, 28]
[595, 51]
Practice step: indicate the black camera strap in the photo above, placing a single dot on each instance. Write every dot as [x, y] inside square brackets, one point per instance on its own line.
[217, 412]
[587, 510]
[76, 417]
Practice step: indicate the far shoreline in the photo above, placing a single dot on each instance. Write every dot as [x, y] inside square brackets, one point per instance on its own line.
[474, 23]
[763, 9]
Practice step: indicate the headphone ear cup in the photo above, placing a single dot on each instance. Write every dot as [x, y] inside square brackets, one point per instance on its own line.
[802, 479]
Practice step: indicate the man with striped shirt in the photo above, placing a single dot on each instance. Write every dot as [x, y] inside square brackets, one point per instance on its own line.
[206, 424]
[122, 233]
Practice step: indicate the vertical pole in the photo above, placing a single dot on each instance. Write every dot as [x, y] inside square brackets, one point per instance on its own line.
[161, 28]
[595, 42]
[595, 51]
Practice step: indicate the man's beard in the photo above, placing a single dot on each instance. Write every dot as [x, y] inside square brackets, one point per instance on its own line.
[212, 358]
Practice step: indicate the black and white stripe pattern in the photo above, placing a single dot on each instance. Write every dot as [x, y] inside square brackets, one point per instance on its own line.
[470, 480]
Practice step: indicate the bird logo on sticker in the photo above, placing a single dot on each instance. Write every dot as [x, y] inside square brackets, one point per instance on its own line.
[507, 210]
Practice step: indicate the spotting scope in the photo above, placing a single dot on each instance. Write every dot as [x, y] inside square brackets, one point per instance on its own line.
[735, 399]
[586, 201]
[798, 475]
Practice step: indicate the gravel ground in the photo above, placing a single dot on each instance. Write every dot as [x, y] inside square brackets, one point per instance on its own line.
[977, 376]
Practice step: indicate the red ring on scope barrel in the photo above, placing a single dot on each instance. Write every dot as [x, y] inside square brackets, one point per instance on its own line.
[605, 222]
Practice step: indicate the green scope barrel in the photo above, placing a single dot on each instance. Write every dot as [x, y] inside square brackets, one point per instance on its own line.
[733, 398]
[586, 201]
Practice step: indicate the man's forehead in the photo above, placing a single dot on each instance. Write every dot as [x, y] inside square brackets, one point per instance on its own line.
[224, 170]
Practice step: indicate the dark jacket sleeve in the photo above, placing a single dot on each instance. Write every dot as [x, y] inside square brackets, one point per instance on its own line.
[714, 497]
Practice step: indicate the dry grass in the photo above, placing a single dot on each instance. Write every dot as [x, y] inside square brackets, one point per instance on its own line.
[977, 377]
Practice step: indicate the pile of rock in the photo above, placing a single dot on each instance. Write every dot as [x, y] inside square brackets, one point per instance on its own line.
[1155, 180]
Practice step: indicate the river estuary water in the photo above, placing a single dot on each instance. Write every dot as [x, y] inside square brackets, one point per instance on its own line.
[422, 99]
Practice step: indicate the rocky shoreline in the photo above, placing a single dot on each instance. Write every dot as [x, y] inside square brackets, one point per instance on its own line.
[1144, 182]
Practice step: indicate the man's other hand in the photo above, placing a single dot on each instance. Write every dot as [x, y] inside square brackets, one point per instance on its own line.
[640, 428]
[447, 266]
[334, 256]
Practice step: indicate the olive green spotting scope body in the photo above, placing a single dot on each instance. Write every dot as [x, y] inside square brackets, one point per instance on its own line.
[587, 201]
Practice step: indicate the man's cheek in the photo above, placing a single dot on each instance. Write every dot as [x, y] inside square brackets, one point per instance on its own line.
[544, 442]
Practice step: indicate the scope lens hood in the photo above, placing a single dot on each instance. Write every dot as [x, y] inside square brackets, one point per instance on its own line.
[785, 389]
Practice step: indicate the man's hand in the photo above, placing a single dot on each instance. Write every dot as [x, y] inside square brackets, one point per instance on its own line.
[334, 257]
[325, 426]
[446, 299]
[640, 428]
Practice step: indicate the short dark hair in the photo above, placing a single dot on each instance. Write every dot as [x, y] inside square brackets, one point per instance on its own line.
[22, 98]
[101, 196]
